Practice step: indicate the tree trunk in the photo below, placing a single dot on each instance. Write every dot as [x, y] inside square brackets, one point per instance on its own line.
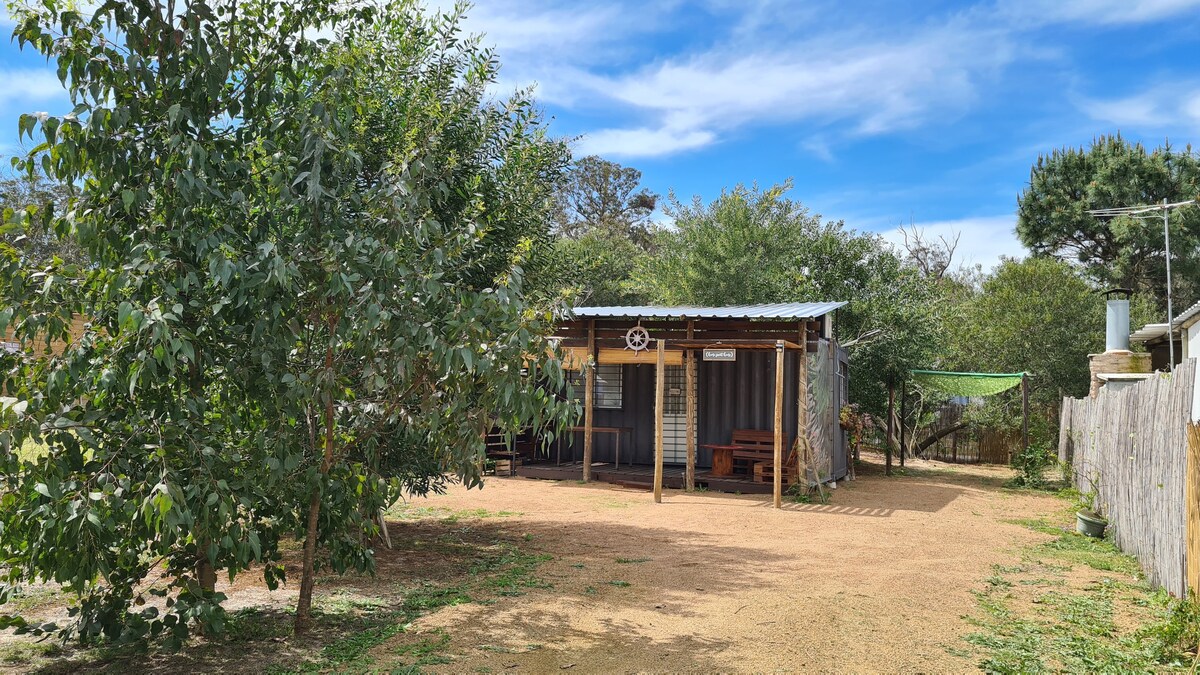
[891, 430]
[308, 570]
[206, 574]
[937, 436]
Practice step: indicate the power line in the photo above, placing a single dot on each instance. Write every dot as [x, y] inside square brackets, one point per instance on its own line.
[1139, 212]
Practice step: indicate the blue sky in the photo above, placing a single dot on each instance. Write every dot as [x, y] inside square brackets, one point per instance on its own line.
[880, 112]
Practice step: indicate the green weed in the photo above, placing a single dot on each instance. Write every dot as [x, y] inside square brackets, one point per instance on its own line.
[1074, 630]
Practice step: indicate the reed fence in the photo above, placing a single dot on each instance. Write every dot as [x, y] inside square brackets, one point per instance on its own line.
[1129, 447]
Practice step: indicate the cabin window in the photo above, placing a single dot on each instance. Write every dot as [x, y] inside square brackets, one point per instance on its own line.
[609, 388]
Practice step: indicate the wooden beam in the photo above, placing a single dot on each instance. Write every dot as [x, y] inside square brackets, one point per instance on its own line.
[689, 476]
[674, 357]
[589, 390]
[779, 424]
[660, 385]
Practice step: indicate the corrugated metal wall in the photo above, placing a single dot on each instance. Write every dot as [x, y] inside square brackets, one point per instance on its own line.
[737, 395]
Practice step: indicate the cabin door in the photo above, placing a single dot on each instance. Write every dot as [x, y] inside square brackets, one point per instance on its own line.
[675, 416]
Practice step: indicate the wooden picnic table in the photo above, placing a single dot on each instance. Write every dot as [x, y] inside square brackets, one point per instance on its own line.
[746, 444]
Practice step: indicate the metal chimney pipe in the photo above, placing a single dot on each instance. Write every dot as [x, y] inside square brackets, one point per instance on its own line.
[1116, 335]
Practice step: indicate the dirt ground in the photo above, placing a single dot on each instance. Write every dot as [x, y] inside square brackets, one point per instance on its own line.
[878, 579]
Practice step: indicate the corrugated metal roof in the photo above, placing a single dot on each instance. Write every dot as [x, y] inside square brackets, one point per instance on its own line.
[1187, 314]
[1148, 332]
[780, 310]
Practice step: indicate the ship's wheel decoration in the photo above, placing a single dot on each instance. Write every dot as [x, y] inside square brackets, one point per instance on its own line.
[637, 339]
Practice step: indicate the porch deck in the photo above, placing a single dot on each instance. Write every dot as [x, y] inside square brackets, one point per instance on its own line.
[641, 476]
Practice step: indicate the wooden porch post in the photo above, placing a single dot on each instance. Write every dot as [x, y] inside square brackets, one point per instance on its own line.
[689, 479]
[803, 456]
[589, 389]
[779, 424]
[660, 383]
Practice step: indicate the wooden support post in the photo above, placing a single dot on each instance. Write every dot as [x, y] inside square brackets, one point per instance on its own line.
[589, 390]
[1191, 498]
[779, 424]
[1024, 417]
[689, 477]
[660, 385]
[891, 430]
[803, 454]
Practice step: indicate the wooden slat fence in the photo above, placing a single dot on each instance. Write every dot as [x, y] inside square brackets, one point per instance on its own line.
[1129, 446]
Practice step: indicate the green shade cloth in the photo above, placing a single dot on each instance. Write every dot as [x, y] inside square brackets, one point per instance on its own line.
[966, 384]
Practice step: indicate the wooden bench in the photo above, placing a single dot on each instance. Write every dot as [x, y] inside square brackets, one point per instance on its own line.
[745, 447]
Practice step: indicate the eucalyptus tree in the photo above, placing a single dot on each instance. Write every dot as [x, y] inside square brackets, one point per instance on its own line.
[306, 226]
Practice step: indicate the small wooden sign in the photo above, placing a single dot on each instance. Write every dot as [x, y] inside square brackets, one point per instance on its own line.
[720, 355]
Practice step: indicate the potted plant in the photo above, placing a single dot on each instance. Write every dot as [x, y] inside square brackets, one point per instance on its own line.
[1088, 520]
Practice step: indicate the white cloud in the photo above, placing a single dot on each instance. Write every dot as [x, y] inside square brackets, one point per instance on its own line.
[642, 142]
[30, 85]
[983, 239]
[1192, 108]
[1095, 12]
[1160, 107]
[877, 87]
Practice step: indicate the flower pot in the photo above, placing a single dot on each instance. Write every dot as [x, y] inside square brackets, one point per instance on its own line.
[1090, 524]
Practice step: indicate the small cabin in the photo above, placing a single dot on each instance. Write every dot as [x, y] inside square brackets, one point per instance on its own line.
[716, 390]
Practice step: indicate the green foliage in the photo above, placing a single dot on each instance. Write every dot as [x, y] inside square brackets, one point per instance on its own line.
[597, 268]
[752, 246]
[1037, 316]
[602, 198]
[305, 295]
[1031, 464]
[1052, 214]
[29, 201]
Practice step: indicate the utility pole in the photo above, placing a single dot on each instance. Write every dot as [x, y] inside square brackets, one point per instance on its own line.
[1170, 310]
[1140, 212]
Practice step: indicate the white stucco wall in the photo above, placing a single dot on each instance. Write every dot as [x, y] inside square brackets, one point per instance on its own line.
[1191, 341]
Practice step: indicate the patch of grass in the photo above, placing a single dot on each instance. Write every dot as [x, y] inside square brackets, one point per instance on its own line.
[1065, 629]
[590, 590]
[25, 653]
[253, 624]
[428, 597]
[1099, 554]
[631, 561]
[30, 599]
[1037, 525]
[354, 647]
[428, 652]
[404, 511]
[620, 584]
[514, 572]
